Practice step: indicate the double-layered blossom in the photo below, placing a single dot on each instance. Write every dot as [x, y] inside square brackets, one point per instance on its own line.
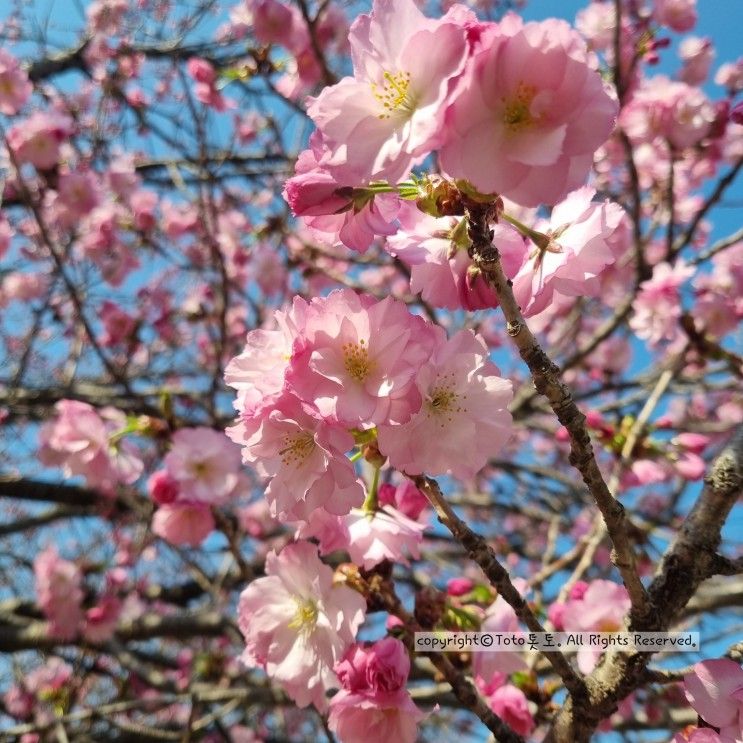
[666, 110]
[258, 372]
[463, 420]
[15, 87]
[658, 306]
[337, 211]
[84, 441]
[204, 464]
[373, 703]
[389, 115]
[441, 269]
[529, 115]
[37, 140]
[297, 624]
[305, 458]
[60, 594]
[582, 238]
[601, 607]
[361, 359]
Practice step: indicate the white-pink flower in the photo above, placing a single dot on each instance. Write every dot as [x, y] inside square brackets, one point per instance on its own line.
[377, 124]
[204, 463]
[441, 269]
[463, 420]
[601, 608]
[584, 237]
[304, 456]
[82, 441]
[258, 373]
[530, 114]
[385, 534]
[37, 139]
[361, 358]
[60, 594]
[297, 624]
[15, 87]
[186, 523]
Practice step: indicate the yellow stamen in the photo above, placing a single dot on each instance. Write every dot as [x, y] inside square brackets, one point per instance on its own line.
[394, 94]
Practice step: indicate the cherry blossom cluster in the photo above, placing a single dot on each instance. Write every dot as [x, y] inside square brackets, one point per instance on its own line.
[201, 470]
[89, 442]
[344, 370]
[59, 587]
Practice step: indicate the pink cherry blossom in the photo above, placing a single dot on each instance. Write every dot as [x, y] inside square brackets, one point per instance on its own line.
[334, 209]
[183, 522]
[305, 458]
[405, 498]
[330, 531]
[730, 75]
[486, 666]
[297, 624]
[531, 114]
[600, 608]
[377, 124]
[596, 22]
[678, 15]
[463, 420]
[118, 326]
[715, 691]
[276, 23]
[385, 534]
[205, 464]
[258, 373]
[512, 706]
[79, 193]
[697, 55]
[101, 620]
[15, 87]
[22, 287]
[81, 441]
[584, 237]
[658, 305]
[361, 359]
[358, 718]
[105, 16]
[662, 109]
[60, 594]
[37, 139]
[441, 269]
[374, 704]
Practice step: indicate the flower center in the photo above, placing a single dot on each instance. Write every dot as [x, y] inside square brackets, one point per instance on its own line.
[443, 402]
[394, 94]
[356, 360]
[305, 618]
[297, 447]
[517, 114]
[199, 469]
